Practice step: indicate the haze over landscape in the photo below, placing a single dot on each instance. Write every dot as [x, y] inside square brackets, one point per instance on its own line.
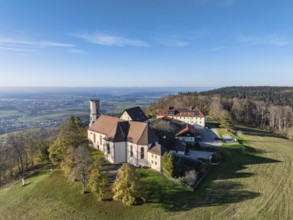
[195, 43]
[146, 109]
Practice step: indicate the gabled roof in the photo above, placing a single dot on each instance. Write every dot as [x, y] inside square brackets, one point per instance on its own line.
[136, 114]
[173, 120]
[105, 124]
[118, 130]
[157, 149]
[141, 133]
[181, 111]
[186, 128]
[136, 130]
[148, 136]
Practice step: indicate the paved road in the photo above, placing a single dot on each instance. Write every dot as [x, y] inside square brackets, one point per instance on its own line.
[200, 154]
[208, 138]
[195, 155]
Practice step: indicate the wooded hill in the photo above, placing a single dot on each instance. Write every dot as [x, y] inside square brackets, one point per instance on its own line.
[269, 108]
[276, 95]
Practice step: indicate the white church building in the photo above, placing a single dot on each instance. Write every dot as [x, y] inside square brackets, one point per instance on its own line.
[126, 139]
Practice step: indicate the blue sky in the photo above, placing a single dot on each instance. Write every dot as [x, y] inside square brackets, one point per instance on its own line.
[93, 43]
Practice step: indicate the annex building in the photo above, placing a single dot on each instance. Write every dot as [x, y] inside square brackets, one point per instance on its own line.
[192, 116]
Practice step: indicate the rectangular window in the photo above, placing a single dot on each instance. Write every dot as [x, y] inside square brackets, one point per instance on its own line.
[155, 163]
[101, 140]
[141, 153]
[131, 151]
[108, 148]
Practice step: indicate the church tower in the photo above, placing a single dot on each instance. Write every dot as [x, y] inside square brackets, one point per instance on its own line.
[94, 110]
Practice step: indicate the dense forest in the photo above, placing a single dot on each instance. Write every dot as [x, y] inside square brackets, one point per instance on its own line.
[269, 94]
[254, 106]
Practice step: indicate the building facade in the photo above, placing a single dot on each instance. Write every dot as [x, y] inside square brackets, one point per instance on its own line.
[126, 141]
[190, 116]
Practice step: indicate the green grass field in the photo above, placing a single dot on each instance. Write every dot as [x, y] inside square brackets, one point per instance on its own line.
[53, 116]
[6, 114]
[254, 181]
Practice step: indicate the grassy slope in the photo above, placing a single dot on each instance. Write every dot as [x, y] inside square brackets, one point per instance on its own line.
[254, 182]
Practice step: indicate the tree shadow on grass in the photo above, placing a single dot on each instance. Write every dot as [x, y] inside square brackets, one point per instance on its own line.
[220, 186]
[238, 159]
[237, 175]
[173, 199]
[257, 132]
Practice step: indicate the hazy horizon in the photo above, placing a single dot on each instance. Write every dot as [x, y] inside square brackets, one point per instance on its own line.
[97, 91]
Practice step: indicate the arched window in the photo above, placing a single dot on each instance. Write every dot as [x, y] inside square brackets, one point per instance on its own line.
[131, 151]
[94, 137]
[142, 153]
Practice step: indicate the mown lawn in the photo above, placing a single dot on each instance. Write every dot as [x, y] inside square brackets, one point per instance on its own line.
[254, 181]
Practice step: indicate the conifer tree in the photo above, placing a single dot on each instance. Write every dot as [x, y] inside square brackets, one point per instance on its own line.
[97, 179]
[71, 134]
[226, 121]
[168, 164]
[127, 185]
[68, 164]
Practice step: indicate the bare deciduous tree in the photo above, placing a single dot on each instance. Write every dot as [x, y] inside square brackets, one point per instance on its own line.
[83, 161]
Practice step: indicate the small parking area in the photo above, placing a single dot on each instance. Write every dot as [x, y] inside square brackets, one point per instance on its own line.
[200, 154]
[209, 138]
[227, 138]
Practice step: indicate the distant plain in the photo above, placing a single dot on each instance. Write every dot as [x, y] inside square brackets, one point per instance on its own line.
[22, 108]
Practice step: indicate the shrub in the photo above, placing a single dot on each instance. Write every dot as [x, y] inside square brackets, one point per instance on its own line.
[190, 177]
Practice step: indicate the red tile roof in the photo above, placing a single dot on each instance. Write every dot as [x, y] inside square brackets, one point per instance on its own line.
[118, 130]
[185, 128]
[104, 124]
[167, 118]
[157, 149]
[181, 111]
